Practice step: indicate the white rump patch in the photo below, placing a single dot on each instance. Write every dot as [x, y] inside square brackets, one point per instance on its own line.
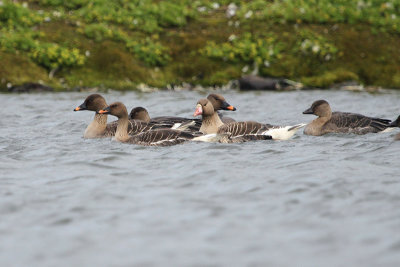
[387, 130]
[283, 132]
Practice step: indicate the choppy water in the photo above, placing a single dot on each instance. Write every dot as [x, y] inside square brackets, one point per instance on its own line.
[310, 201]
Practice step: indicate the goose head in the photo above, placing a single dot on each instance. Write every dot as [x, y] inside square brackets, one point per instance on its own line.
[219, 102]
[204, 108]
[93, 102]
[139, 113]
[319, 108]
[116, 109]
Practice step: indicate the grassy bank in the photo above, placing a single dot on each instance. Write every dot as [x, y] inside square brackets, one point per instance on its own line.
[121, 44]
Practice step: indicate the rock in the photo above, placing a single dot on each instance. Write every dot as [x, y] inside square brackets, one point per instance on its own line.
[348, 85]
[252, 82]
[30, 87]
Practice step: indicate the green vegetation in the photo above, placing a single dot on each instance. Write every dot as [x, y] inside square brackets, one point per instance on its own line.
[124, 43]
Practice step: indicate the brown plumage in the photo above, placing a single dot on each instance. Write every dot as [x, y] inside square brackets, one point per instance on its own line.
[244, 128]
[217, 100]
[242, 131]
[341, 122]
[141, 114]
[157, 137]
[232, 132]
[219, 103]
[98, 127]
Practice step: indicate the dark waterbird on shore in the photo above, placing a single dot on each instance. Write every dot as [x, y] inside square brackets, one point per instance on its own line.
[157, 137]
[341, 122]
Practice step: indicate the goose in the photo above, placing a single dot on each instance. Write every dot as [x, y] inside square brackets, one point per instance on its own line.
[157, 137]
[139, 113]
[240, 131]
[396, 123]
[217, 100]
[98, 127]
[341, 122]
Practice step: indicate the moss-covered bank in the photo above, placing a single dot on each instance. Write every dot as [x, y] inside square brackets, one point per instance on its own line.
[121, 44]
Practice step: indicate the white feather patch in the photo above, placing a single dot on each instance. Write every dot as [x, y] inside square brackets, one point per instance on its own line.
[176, 126]
[210, 138]
[283, 132]
[387, 130]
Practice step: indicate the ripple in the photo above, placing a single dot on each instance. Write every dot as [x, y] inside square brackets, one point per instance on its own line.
[308, 196]
[61, 222]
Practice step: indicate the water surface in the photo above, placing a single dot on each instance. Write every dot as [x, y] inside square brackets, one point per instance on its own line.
[310, 201]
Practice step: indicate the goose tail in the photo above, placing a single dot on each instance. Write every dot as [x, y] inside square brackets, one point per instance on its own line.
[283, 132]
[395, 123]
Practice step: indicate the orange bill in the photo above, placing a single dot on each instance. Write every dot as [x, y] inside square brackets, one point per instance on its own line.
[102, 111]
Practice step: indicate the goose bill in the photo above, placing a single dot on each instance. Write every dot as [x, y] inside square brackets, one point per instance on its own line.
[198, 111]
[308, 111]
[81, 107]
[226, 106]
[104, 111]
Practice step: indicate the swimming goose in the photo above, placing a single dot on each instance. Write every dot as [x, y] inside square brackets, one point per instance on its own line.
[341, 122]
[217, 100]
[396, 123]
[98, 127]
[251, 130]
[158, 137]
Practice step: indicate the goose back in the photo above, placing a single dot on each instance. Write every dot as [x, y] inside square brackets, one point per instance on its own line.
[345, 122]
[141, 114]
[244, 128]
[161, 137]
[169, 121]
[135, 127]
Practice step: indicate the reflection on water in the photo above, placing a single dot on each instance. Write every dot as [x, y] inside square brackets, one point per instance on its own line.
[325, 201]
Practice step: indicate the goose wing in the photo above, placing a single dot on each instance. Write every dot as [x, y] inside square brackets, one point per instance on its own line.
[358, 123]
[110, 130]
[243, 128]
[169, 121]
[246, 138]
[162, 137]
